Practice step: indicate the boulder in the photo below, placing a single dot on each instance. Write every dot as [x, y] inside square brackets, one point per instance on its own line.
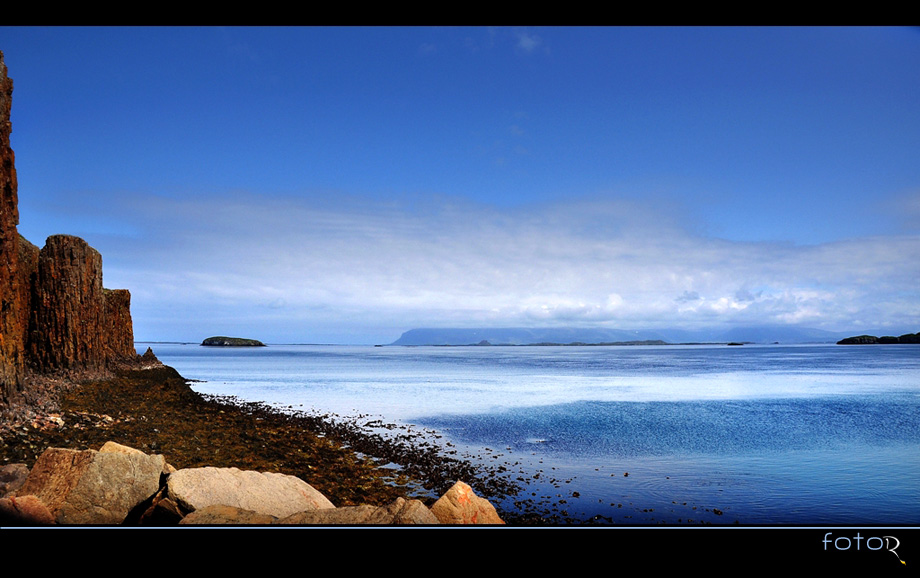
[398, 512]
[459, 505]
[275, 494]
[24, 511]
[122, 485]
[91, 487]
[117, 448]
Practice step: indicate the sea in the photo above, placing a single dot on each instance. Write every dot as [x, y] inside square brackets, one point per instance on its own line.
[752, 435]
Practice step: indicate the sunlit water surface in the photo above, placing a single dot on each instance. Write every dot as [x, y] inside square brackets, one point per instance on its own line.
[791, 435]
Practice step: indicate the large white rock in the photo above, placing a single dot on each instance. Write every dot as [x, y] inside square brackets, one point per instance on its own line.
[269, 493]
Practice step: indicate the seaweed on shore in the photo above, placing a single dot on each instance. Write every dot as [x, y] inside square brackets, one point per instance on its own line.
[155, 410]
[417, 452]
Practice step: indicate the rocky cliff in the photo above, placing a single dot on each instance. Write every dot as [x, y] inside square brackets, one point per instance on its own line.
[12, 333]
[55, 316]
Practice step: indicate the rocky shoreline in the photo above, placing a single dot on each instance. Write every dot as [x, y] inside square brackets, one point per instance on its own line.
[154, 411]
[70, 378]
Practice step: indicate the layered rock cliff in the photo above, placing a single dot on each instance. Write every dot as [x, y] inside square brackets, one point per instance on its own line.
[12, 333]
[55, 315]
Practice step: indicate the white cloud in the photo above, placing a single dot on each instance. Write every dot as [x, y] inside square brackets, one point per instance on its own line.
[526, 40]
[414, 261]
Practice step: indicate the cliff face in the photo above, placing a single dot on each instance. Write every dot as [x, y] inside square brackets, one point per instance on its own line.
[12, 335]
[68, 327]
[55, 315]
[118, 329]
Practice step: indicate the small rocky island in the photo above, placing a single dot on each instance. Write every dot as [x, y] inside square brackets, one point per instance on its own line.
[221, 341]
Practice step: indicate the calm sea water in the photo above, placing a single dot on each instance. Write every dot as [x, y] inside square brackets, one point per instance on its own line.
[758, 435]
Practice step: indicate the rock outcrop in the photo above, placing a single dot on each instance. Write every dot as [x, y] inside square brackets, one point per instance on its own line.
[118, 328]
[118, 485]
[68, 306]
[55, 316]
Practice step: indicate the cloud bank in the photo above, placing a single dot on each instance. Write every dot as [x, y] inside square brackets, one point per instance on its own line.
[342, 268]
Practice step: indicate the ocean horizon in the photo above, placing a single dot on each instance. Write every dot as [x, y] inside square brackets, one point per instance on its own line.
[786, 435]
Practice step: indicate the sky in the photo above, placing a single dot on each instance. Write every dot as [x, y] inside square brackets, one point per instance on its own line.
[344, 185]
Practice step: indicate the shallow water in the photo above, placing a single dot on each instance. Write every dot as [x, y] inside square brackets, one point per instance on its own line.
[791, 435]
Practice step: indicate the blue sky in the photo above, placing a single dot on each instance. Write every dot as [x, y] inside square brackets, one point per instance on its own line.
[347, 184]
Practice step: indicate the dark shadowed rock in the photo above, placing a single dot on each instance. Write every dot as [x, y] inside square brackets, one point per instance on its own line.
[161, 511]
[12, 477]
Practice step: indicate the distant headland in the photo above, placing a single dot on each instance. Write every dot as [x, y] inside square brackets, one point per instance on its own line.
[221, 341]
[885, 339]
[558, 336]
[742, 335]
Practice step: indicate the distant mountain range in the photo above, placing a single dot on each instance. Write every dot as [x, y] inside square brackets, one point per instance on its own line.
[566, 335]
